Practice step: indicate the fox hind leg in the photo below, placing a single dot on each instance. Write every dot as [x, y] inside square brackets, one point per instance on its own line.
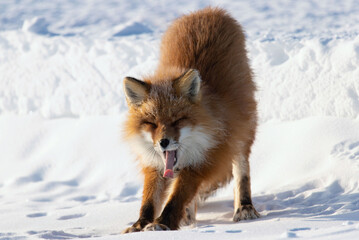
[243, 207]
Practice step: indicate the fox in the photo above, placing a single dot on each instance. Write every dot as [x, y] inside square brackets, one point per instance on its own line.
[192, 122]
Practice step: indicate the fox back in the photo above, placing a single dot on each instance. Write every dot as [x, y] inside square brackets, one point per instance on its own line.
[212, 42]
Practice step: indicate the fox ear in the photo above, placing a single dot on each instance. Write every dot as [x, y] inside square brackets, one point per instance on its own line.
[189, 84]
[136, 90]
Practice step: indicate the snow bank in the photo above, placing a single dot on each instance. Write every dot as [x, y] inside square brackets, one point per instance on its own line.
[75, 76]
[311, 77]
[69, 59]
[316, 174]
[66, 77]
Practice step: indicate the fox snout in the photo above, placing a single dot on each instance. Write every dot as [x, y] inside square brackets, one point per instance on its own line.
[164, 143]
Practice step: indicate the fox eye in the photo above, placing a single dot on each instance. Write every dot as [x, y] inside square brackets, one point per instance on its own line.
[153, 125]
[175, 123]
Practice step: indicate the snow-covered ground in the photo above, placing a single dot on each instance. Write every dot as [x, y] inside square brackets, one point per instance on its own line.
[65, 172]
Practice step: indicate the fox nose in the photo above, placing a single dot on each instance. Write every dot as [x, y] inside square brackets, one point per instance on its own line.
[164, 142]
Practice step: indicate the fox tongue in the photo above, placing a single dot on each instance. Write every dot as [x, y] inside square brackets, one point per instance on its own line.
[170, 159]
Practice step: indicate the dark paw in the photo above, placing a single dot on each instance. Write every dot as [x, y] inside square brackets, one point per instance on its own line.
[156, 227]
[245, 212]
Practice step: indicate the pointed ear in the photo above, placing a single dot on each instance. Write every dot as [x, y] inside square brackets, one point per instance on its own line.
[189, 84]
[136, 90]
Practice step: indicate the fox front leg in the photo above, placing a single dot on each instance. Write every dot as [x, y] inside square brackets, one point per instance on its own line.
[184, 190]
[153, 195]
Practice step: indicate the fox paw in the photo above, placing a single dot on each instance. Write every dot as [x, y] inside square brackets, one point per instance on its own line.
[156, 227]
[136, 227]
[189, 218]
[131, 229]
[245, 212]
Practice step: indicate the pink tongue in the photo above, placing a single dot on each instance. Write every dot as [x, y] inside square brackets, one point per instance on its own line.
[170, 159]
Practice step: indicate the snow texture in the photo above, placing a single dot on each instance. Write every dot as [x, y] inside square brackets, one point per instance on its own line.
[65, 172]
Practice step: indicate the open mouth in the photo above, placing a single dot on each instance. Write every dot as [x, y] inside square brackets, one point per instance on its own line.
[170, 161]
[175, 156]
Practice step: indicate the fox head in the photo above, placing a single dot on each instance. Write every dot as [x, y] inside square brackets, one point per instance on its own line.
[168, 124]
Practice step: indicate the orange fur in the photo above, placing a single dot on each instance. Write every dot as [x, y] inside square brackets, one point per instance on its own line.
[222, 113]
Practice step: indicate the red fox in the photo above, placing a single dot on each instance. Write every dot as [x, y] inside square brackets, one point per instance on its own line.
[193, 122]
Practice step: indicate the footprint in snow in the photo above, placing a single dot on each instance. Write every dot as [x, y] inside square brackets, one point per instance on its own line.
[83, 198]
[36, 176]
[73, 216]
[42, 200]
[206, 226]
[299, 229]
[233, 231]
[56, 184]
[36, 215]
[207, 231]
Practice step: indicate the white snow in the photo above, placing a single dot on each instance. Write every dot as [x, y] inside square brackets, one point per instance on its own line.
[65, 172]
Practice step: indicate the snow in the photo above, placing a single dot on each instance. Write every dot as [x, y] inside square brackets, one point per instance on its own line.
[66, 173]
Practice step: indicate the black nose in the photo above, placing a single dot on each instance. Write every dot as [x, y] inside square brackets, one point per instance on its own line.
[164, 142]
